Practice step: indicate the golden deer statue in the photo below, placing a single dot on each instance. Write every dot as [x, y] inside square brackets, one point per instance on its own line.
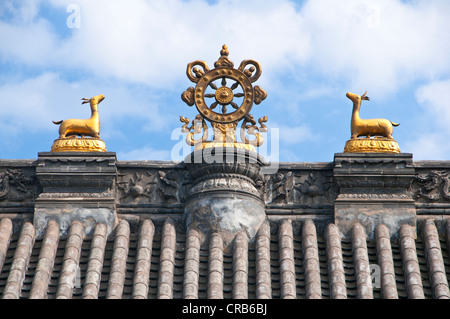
[88, 127]
[370, 127]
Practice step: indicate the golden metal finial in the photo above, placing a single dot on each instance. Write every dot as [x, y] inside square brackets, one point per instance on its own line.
[224, 50]
[224, 61]
[224, 105]
[71, 128]
[380, 129]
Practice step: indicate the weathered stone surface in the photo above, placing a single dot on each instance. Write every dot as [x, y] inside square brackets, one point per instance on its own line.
[64, 216]
[223, 197]
[225, 214]
[211, 203]
[76, 186]
[374, 190]
[370, 215]
[76, 172]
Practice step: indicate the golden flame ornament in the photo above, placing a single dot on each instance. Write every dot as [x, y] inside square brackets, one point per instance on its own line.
[224, 96]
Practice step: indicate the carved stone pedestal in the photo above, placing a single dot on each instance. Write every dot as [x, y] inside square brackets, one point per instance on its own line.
[223, 198]
[374, 189]
[76, 186]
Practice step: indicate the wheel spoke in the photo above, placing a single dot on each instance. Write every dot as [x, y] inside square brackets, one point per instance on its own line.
[224, 109]
[213, 86]
[234, 105]
[235, 85]
[213, 106]
[224, 82]
[210, 95]
[239, 95]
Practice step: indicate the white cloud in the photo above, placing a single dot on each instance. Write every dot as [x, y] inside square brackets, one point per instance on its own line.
[30, 43]
[372, 45]
[136, 52]
[293, 134]
[378, 46]
[24, 13]
[151, 42]
[430, 146]
[30, 105]
[432, 128]
[433, 98]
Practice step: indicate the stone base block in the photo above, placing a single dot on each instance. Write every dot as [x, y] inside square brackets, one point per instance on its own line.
[64, 215]
[370, 215]
[226, 215]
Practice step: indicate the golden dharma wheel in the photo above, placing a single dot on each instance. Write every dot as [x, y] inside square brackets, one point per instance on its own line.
[221, 102]
[223, 96]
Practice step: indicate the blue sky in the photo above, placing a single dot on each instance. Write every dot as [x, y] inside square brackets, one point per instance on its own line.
[312, 52]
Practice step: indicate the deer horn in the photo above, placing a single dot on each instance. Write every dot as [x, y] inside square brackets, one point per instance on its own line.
[364, 97]
[85, 100]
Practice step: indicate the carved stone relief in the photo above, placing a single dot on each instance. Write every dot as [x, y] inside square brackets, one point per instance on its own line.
[301, 187]
[149, 186]
[432, 186]
[16, 185]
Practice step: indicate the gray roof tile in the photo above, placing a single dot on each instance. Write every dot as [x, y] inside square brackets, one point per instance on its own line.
[288, 259]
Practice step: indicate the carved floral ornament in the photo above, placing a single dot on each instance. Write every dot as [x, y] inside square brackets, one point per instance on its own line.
[224, 96]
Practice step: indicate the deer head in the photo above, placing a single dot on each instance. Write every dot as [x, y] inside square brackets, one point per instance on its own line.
[95, 100]
[355, 97]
